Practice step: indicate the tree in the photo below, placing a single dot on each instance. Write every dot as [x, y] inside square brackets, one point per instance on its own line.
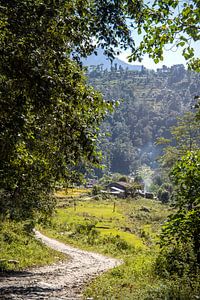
[187, 133]
[185, 137]
[180, 238]
[163, 195]
[49, 116]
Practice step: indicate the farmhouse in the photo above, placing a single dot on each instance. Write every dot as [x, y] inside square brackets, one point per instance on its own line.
[121, 188]
[125, 189]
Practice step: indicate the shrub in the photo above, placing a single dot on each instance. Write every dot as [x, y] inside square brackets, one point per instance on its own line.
[176, 259]
[163, 195]
[96, 190]
[117, 241]
[181, 289]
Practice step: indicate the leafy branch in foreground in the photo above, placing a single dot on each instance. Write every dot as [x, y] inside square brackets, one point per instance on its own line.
[174, 24]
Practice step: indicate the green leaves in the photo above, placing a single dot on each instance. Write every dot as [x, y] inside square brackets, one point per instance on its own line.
[169, 23]
[50, 117]
[180, 238]
[186, 178]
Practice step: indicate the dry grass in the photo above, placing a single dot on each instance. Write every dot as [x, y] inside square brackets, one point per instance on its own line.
[71, 192]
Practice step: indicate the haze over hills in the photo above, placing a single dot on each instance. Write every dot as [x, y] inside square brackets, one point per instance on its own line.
[101, 59]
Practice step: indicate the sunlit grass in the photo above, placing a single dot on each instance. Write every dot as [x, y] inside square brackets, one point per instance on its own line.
[124, 228]
[123, 218]
[82, 211]
[100, 211]
[130, 238]
[71, 192]
[22, 248]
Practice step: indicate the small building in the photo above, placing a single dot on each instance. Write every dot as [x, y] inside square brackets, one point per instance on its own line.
[123, 189]
[119, 194]
[121, 186]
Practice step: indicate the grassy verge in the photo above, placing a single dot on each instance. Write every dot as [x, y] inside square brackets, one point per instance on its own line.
[19, 250]
[18, 247]
[127, 229]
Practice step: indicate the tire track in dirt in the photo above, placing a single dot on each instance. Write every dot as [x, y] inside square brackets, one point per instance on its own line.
[63, 280]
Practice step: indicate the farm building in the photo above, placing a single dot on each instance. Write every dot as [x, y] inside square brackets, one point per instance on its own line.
[121, 188]
[124, 189]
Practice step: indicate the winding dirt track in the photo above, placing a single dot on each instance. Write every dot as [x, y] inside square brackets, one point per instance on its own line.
[58, 281]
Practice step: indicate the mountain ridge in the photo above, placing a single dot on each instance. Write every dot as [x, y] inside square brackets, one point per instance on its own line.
[100, 59]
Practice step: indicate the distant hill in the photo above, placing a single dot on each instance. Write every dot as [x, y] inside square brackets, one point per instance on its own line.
[101, 59]
[152, 101]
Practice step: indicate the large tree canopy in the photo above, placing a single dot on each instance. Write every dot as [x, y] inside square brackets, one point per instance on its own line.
[49, 116]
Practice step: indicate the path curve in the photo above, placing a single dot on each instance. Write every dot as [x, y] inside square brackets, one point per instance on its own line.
[64, 280]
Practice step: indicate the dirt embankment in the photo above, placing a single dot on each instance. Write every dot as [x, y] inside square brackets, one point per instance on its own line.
[58, 281]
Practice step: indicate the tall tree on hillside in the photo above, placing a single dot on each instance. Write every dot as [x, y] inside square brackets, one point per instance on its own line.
[185, 137]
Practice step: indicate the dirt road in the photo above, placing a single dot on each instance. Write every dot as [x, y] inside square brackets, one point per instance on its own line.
[58, 281]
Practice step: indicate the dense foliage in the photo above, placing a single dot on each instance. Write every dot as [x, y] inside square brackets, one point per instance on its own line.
[180, 239]
[49, 116]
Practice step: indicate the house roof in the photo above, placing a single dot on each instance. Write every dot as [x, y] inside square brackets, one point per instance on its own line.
[123, 183]
[117, 189]
[120, 185]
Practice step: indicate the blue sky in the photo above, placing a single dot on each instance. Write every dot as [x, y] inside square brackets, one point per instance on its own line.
[171, 57]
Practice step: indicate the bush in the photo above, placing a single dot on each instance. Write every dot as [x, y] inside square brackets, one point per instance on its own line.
[163, 195]
[180, 289]
[117, 241]
[176, 259]
[96, 190]
[84, 228]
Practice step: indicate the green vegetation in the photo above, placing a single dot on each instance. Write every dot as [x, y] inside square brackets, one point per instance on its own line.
[130, 231]
[180, 239]
[157, 104]
[50, 119]
[169, 22]
[19, 249]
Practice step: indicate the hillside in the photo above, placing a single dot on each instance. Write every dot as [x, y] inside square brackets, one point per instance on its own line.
[152, 100]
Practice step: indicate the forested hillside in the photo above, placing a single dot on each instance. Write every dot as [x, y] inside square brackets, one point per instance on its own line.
[149, 104]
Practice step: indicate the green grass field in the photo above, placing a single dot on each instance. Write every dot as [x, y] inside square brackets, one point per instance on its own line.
[124, 228]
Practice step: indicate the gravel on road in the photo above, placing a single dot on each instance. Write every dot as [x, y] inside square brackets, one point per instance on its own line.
[60, 281]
